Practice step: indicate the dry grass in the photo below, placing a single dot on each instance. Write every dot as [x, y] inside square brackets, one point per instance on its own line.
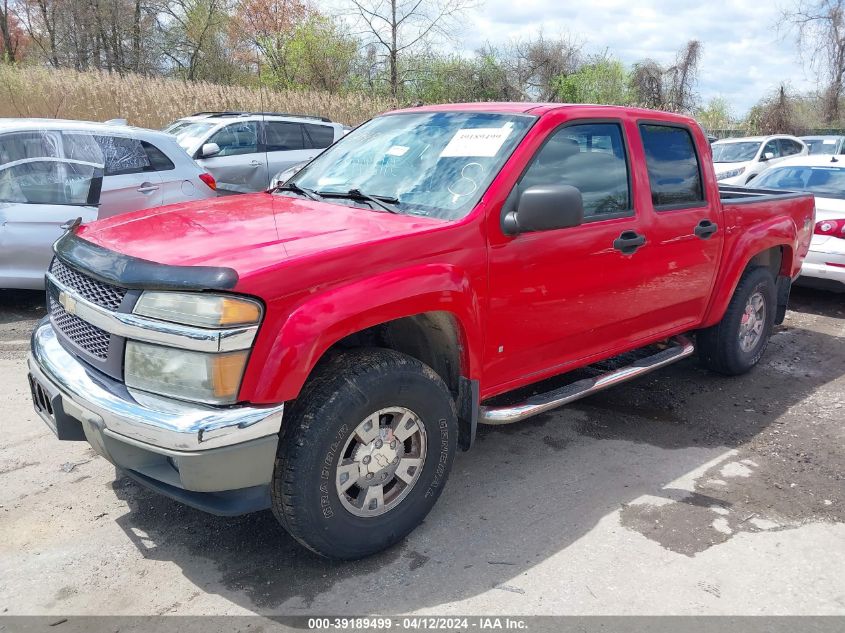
[153, 102]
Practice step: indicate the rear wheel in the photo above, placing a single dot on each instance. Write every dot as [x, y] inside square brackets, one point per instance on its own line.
[737, 342]
[364, 454]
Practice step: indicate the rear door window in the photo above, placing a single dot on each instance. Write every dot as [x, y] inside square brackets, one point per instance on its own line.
[590, 157]
[789, 147]
[321, 136]
[282, 136]
[123, 155]
[674, 172]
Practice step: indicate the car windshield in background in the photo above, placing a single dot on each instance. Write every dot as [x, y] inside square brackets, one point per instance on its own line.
[821, 145]
[189, 134]
[436, 164]
[738, 152]
[826, 182]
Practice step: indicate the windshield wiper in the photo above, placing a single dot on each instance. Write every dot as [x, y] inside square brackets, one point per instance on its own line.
[295, 188]
[386, 203]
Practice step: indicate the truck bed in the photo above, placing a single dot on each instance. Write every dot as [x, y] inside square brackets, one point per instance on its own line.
[730, 194]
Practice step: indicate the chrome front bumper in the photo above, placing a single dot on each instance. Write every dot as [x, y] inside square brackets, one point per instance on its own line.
[218, 459]
[160, 422]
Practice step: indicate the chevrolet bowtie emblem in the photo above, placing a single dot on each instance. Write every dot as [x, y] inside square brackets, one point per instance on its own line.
[67, 302]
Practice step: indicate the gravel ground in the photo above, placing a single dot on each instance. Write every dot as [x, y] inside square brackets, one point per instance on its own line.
[683, 493]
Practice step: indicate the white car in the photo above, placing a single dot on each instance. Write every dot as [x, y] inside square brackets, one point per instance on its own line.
[823, 176]
[738, 160]
[244, 149]
[54, 171]
[825, 144]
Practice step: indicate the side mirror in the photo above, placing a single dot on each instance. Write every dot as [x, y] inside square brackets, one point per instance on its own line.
[544, 208]
[767, 156]
[209, 149]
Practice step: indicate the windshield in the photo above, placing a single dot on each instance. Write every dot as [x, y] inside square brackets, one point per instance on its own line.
[189, 134]
[827, 182]
[821, 145]
[737, 152]
[436, 164]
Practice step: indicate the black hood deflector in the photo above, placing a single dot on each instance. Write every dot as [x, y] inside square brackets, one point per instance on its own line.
[133, 272]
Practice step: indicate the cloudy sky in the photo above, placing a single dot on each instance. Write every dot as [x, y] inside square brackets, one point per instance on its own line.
[744, 56]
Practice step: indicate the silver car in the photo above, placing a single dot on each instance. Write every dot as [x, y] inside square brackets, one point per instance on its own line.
[53, 171]
[242, 150]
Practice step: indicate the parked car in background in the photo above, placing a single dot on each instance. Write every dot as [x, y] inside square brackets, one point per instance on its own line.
[46, 163]
[244, 149]
[823, 176]
[738, 160]
[827, 144]
[286, 174]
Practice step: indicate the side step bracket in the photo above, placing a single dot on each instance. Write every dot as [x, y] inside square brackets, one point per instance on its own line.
[681, 348]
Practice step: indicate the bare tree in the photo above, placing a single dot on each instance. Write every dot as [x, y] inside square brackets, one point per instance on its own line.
[399, 27]
[115, 35]
[683, 77]
[775, 114]
[195, 31]
[819, 27]
[647, 84]
[8, 39]
[672, 88]
[533, 65]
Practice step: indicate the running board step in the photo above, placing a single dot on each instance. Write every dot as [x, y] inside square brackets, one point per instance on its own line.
[681, 348]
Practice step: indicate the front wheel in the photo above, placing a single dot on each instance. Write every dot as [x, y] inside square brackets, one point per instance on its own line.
[736, 343]
[364, 454]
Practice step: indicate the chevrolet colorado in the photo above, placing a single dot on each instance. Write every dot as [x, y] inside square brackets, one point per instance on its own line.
[324, 349]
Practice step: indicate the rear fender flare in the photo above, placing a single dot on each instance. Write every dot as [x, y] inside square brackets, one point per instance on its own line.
[780, 232]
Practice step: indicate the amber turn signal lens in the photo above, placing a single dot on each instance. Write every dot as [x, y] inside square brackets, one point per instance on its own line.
[236, 312]
[226, 373]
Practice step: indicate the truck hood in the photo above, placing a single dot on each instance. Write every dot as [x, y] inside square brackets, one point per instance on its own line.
[247, 232]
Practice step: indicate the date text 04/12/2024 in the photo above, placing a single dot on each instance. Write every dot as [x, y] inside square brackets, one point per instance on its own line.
[418, 623]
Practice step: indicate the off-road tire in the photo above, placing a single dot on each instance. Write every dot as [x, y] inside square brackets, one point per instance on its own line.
[719, 348]
[344, 391]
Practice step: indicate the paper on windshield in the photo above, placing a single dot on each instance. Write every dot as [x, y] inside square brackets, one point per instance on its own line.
[479, 141]
[398, 150]
[829, 141]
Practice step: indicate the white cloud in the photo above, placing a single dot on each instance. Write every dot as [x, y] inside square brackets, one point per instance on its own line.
[744, 55]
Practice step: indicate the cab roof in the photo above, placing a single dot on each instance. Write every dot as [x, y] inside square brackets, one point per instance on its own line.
[539, 109]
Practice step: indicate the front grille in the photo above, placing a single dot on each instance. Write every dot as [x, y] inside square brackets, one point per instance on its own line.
[81, 333]
[103, 294]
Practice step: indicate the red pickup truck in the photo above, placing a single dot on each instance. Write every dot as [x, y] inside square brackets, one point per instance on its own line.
[325, 348]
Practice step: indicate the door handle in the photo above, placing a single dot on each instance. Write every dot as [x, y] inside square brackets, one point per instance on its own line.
[147, 188]
[628, 242]
[255, 163]
[705, 229]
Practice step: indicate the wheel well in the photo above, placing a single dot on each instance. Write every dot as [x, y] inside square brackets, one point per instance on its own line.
[431, 337]
[771, 258]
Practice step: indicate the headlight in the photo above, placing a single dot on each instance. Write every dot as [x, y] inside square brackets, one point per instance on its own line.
[730, 174]
[202, 310]
[195, 376]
